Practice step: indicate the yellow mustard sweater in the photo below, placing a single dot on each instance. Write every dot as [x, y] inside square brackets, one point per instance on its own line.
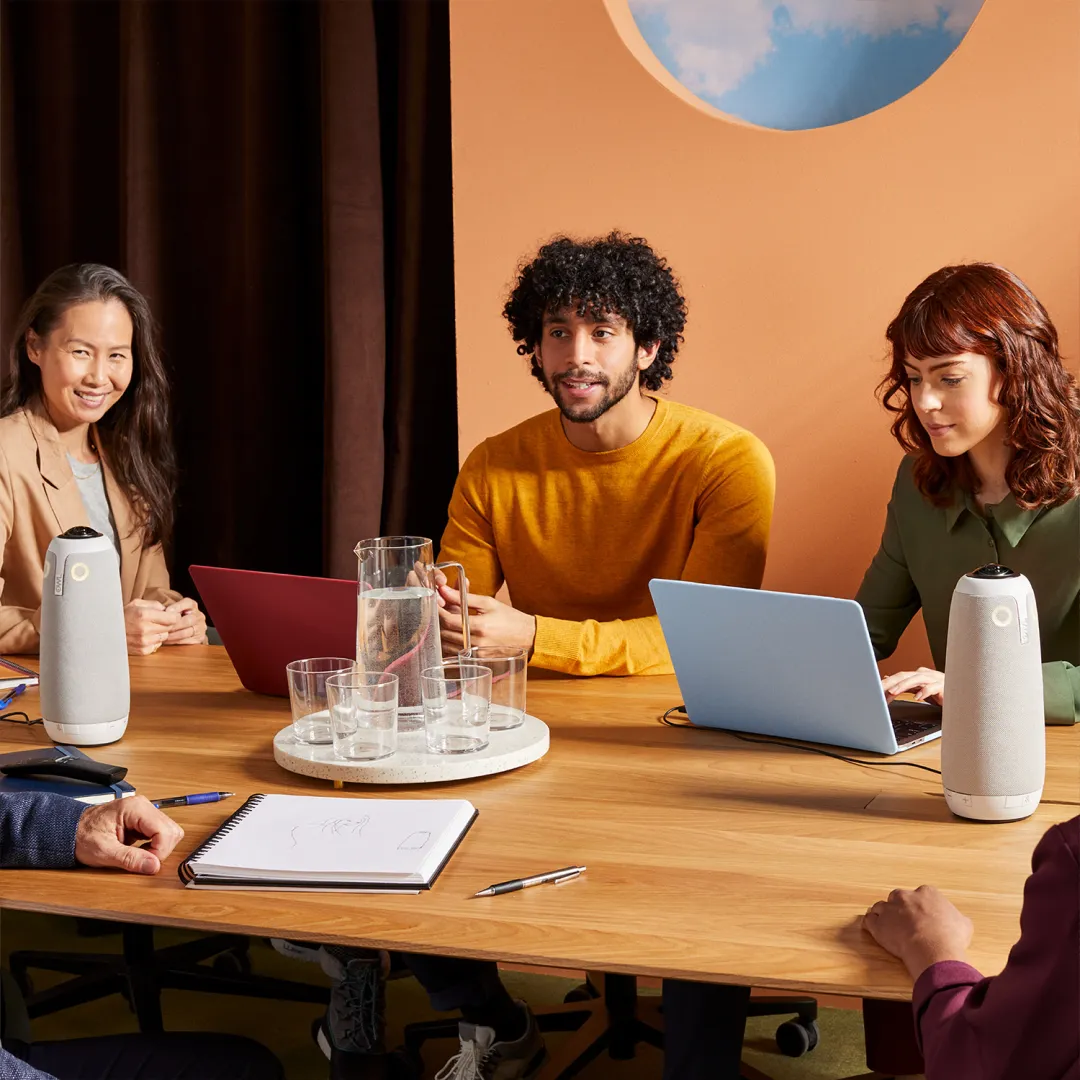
[576, 535]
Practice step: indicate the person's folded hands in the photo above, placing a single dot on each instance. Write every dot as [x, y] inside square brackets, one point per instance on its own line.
[191, 629]
[147, 624]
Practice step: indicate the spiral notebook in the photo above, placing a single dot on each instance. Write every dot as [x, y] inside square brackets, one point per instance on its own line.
[13, 674]
[308, 843]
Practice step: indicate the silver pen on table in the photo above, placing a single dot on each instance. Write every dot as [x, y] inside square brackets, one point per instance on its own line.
[555, 876]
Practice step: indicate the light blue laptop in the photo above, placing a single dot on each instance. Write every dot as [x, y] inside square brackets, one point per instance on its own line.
[783, 664]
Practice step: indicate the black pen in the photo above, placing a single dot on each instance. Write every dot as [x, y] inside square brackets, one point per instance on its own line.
[557, 876]
[191, 800]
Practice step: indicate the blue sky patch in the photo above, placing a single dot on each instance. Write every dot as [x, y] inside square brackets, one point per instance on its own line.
[804, 63]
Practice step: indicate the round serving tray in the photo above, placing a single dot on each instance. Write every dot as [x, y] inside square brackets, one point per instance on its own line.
[412, 763]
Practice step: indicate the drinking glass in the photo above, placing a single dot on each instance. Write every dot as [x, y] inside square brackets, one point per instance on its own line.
[508, 667]
[307, 693]
[457, 707]
[363, 714]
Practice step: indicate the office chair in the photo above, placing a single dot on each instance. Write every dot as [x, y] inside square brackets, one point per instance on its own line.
[141, 972]
[606, 1013]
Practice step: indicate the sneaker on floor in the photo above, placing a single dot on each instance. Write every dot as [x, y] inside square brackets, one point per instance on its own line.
[331, 958]
[305, 951]
[482, 1058]
[355, 1018]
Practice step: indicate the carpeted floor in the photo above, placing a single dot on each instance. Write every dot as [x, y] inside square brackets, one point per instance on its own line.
[284, 1027]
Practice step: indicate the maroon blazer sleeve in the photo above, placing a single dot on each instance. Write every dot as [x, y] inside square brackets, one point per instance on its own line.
[1024, 1022]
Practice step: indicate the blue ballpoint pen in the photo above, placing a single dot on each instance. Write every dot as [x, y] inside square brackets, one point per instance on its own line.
[191, 800]
[11, 695]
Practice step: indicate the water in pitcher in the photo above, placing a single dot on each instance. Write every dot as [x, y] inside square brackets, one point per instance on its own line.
[397, 631]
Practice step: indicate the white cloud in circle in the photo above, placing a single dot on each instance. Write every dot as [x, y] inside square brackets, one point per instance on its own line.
[718, 43]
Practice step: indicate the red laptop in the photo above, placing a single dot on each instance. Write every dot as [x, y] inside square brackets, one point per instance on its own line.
[268, 620]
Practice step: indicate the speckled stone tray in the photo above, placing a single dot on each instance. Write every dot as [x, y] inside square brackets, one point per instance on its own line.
[411, 763]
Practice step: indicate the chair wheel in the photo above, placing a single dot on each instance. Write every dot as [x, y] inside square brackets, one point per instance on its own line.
[232, 962]
[585, 992]
[794, 1038]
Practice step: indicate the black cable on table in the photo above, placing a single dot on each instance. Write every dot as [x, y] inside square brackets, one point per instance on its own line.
[768, 740]
[11, 718]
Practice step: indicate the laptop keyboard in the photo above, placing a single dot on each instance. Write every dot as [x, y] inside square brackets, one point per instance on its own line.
[906, 730]
[913, 720]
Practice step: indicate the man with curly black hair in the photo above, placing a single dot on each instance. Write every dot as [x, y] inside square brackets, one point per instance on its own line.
[576, 509]
[613, 276]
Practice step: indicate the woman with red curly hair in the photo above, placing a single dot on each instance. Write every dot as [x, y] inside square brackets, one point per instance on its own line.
[990, 419]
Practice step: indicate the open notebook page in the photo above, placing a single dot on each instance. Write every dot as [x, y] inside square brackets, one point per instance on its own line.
[337, 839]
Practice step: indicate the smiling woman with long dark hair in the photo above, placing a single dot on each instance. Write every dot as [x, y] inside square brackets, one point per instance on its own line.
[84, 440]
[990, 419]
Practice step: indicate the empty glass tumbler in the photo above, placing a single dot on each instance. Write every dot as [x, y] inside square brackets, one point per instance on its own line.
[307, 694]
[457, 707]
[508, 667]
[363, 714]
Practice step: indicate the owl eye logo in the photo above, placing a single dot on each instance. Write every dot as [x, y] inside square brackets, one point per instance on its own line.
[1001, 616]
[80, 571]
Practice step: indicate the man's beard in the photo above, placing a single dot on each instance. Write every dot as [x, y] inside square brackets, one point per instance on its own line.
[612, 394]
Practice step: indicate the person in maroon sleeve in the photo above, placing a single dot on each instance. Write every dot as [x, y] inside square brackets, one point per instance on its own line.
[1024, 1022]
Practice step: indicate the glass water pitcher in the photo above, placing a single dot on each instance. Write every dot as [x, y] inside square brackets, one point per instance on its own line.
[397, 615]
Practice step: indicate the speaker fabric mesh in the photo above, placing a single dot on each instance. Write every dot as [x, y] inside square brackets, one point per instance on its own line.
[993, 739]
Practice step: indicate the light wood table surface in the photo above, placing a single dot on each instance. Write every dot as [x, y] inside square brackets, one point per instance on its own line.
[708, 858]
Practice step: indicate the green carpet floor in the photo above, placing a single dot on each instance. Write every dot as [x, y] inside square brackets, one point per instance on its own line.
[284, 1026]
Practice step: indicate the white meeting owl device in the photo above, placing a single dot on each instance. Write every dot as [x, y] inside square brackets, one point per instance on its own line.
[85, 686]
[993, 735]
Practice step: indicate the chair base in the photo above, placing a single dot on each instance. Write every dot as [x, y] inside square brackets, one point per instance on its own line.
[604, 1018]
[607, 1014]
[141, 972]
[617, 1022]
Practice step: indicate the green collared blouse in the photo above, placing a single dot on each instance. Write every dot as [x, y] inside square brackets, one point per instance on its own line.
[926, 549]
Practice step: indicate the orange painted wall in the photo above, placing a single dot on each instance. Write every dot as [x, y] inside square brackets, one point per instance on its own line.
[794, 248]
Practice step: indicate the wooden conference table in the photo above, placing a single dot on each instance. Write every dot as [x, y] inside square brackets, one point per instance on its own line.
[708, 858]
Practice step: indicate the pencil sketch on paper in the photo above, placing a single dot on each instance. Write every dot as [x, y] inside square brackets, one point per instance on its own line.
[339, 829]
[415, 841]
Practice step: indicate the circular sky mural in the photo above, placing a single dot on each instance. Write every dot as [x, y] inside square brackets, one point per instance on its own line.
[803, 63]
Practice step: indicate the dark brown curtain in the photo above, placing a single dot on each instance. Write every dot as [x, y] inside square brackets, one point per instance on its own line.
[232, 159]
[421, 400]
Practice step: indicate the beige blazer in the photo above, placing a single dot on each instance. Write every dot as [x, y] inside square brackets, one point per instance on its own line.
[39, 499]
